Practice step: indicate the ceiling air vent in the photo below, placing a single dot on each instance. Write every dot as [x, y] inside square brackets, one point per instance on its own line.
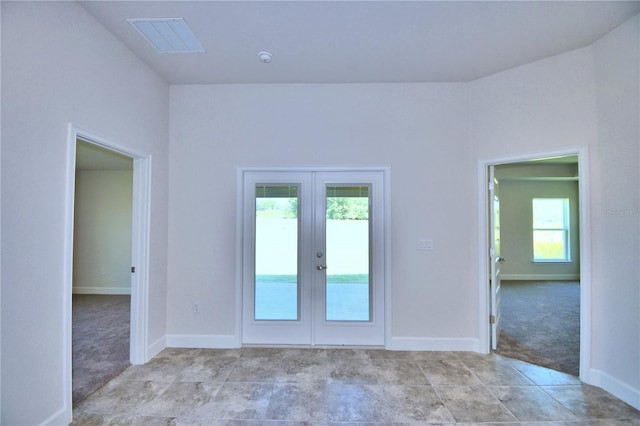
[168, 35]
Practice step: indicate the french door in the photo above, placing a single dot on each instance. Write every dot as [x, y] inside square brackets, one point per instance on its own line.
[313, 258]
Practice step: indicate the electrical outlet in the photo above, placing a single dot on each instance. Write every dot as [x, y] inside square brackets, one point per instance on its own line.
[196, 308]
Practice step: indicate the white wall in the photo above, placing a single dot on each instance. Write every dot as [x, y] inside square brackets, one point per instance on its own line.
[516, 218]
[419, 130]
[615, 213]
[59, 66]
[588, 97]
[102, 232]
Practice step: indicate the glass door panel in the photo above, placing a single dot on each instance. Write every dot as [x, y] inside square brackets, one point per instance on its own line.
[349, 278]
[348, 291]
[276, 253]
[276, 257]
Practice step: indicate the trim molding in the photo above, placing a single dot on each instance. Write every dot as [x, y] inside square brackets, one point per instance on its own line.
[207, 341]
[620, 389]
[585, 247]
[539, 179]
[156, 347]
[240, 175]
[102, 290]
[140, 254]
[58, 418]
[433, 344]
[540, 277]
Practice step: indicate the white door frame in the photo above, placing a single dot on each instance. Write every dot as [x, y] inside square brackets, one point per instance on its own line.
[585, 248]
[386, 196]
[140, 251]
[339, 332]
[299, 330]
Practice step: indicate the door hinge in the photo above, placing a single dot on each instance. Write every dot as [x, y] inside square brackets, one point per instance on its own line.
[133, 269]
[491, 186]
[492, 319]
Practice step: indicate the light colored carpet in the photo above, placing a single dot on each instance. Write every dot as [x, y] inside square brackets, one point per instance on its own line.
[541, 323]
[100, 341]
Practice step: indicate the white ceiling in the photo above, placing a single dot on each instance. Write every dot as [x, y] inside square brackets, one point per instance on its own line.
[362, 41]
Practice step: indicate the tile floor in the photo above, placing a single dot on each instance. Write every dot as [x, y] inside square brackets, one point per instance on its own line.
[268, 386]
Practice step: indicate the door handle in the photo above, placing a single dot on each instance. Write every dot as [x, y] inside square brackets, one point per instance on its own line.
[321, 267]
[501, 259]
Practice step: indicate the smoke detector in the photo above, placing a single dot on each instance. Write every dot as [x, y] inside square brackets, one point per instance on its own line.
[265, 57]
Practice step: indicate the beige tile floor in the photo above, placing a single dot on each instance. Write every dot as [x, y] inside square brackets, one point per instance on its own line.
[290, 386]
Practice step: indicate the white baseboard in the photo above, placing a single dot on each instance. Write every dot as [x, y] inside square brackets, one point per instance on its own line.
[207, 341]
[63, 416]
[432, 344]
[615, 387]
[156, 347]
[540, 277]
[102, 290]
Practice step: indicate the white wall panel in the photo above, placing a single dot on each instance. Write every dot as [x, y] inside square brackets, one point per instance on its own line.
[616, 210]
[59, 67]
[419, 130]
[102, 232]
[585, 98]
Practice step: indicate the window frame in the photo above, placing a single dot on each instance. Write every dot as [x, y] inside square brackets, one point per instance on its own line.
[565, 229]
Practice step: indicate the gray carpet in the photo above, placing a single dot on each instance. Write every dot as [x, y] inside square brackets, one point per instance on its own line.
[100, 341]
[541, 323]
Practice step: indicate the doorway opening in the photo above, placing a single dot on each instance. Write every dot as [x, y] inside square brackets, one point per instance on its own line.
[106, 253]
[544, 260]
[101, 299]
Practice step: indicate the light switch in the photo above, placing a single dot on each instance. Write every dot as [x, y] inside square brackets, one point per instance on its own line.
[425, 244]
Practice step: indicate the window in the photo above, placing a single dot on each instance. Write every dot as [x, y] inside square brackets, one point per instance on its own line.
[551, 230]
